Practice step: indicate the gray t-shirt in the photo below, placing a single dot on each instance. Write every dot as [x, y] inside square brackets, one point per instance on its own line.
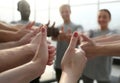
[62, 45]
[99, 68]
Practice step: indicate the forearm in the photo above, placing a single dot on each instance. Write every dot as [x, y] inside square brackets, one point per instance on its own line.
[22, 74]
[14, 57]
[68, 78]
[4, 26]
[107, 38]
[109, 43]
[104, 50]
[6, 36]
[9, 45]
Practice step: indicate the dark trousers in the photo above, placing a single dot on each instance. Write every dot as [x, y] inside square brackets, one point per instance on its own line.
[35, 80]
[58, 74]
[89, 80]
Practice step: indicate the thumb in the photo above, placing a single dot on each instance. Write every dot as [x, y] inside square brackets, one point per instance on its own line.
[53, 25]
[43, 34]
[48, 23]
[29, 25]
[73, 41]
[85, 38]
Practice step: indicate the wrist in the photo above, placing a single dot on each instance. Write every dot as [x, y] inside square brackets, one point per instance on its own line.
[38, 67]
[68, 77]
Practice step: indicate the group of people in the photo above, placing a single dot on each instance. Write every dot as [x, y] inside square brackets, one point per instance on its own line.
[25, 51]
[103, 63]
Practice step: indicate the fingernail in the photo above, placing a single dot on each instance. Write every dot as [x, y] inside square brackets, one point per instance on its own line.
[43, 30]
[75, 34]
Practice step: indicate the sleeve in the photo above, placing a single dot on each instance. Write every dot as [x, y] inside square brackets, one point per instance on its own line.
[90, 33]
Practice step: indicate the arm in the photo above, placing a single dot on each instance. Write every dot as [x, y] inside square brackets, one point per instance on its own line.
[93, 49]
[14, 57]
[4, 26]
[24, 40]
[73, 62]
[110, 38]
[33, 69]
[20, 54]
[67, 77]
[103, 50]
[6, 36]
[9, 45]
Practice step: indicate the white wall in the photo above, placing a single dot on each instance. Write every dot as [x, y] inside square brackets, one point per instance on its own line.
[84, 12]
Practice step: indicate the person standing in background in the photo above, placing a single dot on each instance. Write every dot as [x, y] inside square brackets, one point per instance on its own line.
[99, 68]
[24, 8]
[65, 12]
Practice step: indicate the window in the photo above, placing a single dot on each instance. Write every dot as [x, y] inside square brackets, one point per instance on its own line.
[85, 15]
[108, 0]
[78, 2]
[57, 3]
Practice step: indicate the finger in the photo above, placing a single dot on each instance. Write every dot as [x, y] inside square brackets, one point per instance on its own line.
[44, 34]
[32, 34]
[29, 25]
[51, 50]
[36, 30]
[48, 23]
[85, 38]
[50, 63]
[53, 25]
[40, 27]
[51, 58]
[73, 41]
[49, 47]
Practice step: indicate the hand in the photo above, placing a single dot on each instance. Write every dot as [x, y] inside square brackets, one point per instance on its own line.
[62, 34]
[42, 50]
[88, 46]
[44, 54]
[28, 37]
[51, 49]
[74, 60]
[24, 30]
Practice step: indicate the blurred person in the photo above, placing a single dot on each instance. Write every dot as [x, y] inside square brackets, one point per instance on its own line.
[24, 8]
[102, 63]
[67, 26]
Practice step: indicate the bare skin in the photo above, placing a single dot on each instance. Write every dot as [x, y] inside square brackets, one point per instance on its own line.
[27, 72]
[22, 54]
[73, 62]
[6, 36]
